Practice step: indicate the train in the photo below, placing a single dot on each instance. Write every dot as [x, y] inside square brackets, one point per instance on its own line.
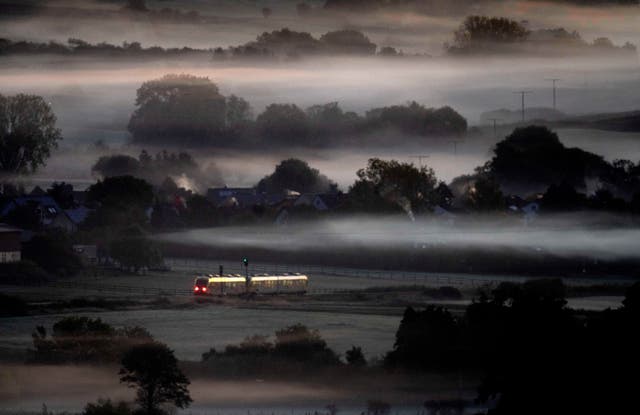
[236, 284]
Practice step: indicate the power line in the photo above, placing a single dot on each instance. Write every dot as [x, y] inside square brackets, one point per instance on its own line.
[554, 80]
[495, 129]
[522, 94]
[455, 146]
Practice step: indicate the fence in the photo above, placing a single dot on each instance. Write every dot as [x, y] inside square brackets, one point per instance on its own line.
[423, 278]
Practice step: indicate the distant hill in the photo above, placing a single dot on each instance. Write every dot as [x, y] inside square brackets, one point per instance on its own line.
[617, 121]
[507, 116]
[628, 121]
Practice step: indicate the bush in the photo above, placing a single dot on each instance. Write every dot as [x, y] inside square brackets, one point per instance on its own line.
[296, 349]
[106, 407]
[83, 339]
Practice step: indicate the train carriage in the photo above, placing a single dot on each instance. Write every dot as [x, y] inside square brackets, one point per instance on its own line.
[236, 284]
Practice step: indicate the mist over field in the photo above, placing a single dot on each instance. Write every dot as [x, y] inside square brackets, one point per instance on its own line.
[562, 235]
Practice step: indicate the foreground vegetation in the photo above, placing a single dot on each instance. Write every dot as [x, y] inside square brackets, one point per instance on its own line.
[533, 353]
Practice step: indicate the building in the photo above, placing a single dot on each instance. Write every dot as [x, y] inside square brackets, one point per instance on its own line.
[88, 253]
[233, 197]
[10, 246]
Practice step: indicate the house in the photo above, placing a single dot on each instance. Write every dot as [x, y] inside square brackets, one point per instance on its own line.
[62, 221]
[233, 197]
[88, 253]
[45, 206]
[10, 246]
[78, 215]
[529, 209]
[49, 213]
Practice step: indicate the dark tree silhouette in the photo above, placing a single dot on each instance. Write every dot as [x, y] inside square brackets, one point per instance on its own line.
[416, 119]
[152, 369]
[348, 42]
[284, 123]
[355, 357]
[485, 195]
[121, 191]
[134, 250]
[389, 185]
[299, 343]
[116, 165]
[481, 33]
[297, 175]
[563, 197]
[62, 193]
[28, 133]
[106, 407]
[178, 106]
[532, 158]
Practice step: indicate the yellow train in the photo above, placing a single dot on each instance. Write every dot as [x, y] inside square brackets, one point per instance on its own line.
[236, 284]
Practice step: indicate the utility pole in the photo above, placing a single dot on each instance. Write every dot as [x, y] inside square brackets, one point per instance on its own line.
[495, 128]
[522, 94]
[554, 80]
[420, 157]
[455, 146]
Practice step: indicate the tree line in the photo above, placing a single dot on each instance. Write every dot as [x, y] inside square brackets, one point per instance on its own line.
[192, 110]
[478, 35]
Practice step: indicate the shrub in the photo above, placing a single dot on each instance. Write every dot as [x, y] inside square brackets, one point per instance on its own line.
[106, 407]
[83, 339]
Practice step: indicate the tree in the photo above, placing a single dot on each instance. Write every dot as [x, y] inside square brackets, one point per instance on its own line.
[355, 357]
[481, 33]
[84, 339]
[425, 339]
[532, 158]
[328, 122]
[133, 249]
[152, 369]
[117, 165]
[28, 133]
[387, 185]
[62, 193]
[378, 407]
[121, 191]
[184, 107]
[284, 123]
[200, 212]
[299, 343]
[266, 12]
[297, 175]
[348, 42]
[416, 119]
[485, 195]
[238, 114]
[563, 197]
